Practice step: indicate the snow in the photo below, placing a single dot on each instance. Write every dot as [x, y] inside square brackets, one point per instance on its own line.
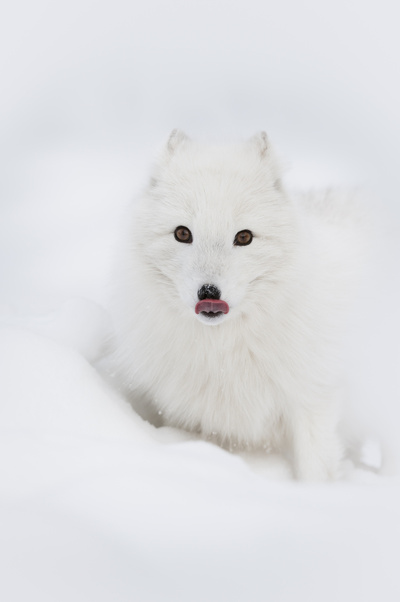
[95, 503]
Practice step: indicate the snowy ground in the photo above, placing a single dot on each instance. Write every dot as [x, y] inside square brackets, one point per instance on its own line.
[96, 504]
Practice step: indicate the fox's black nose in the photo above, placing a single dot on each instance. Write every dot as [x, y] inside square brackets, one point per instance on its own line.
[208, 291]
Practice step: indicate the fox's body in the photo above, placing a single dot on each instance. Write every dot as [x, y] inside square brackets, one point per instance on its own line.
[234, 335]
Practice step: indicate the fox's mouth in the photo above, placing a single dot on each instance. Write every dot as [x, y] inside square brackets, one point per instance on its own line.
[211, 308]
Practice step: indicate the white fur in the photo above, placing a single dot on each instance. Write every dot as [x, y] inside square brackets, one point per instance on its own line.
[266, 374]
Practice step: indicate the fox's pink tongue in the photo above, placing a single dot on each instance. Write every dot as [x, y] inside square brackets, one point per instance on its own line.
[212, 305]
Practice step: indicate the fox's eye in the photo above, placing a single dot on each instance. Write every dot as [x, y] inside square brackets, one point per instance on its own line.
[243, 238]
[183, 234]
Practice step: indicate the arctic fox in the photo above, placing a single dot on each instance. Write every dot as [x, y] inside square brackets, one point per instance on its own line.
[231, 302]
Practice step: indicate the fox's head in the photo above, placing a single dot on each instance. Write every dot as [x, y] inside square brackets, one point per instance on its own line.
[216, 227]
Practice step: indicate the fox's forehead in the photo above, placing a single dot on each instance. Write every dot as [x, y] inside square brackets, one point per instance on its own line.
[217, 165]
[201, 188]
[216, 187]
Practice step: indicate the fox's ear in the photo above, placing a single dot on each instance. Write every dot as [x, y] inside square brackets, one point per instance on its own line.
[175, 139]
[261, 142]
[264, 150]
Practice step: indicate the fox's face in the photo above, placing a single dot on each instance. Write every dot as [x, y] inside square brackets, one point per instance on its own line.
[216, 228]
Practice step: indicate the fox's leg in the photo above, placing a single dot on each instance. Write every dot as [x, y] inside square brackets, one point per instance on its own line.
[317, 450]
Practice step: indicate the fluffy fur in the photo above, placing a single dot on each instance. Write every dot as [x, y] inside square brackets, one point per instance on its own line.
[265, 374]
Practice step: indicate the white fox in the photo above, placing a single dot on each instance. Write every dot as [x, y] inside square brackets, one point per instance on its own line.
[231, 301]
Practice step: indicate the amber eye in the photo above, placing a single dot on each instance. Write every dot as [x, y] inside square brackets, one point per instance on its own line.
[183, 234]
[243, 238]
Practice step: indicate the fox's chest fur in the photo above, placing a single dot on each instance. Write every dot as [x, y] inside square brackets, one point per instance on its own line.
[221, 389]
[239, 384]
